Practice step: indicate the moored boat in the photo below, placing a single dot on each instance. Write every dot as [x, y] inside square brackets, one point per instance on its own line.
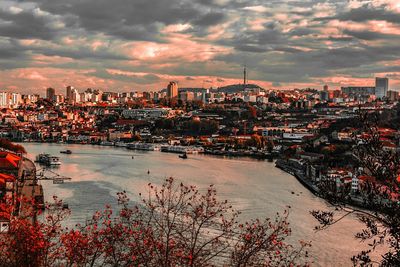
[47, 159]
[183, 156]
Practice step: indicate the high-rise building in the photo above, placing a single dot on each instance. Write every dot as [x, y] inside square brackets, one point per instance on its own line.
[186, 96]
[381, 87]
[69, 93]
[15, 99]
[4, 99]
[50, 93]
[172, 90]
[244, 76]
[393, 95]
[76, 97]
[59, 98]
[96, 96]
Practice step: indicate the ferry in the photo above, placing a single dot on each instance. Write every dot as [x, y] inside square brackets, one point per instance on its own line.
[48, 159]
[121, 144]
[106, 143]
[143, 146]
[182, 149]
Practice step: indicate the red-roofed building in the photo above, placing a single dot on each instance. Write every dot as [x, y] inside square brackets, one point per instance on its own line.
[9, 161]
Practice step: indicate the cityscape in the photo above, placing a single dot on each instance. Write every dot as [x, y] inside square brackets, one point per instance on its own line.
[212, 133]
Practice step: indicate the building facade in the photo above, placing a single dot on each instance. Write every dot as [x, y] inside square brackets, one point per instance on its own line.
[172, 90]
[381, 87]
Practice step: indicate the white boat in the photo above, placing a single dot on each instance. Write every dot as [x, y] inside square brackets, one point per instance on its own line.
[48, 159]
[142, 146]
[121, 144]
[106, 143]
[182, 149]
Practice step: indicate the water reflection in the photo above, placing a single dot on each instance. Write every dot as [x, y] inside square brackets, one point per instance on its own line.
[255, 187]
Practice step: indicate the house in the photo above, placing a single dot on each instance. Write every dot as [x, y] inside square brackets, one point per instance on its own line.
[9, 163]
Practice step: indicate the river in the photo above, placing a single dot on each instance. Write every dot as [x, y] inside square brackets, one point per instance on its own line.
[255, 187]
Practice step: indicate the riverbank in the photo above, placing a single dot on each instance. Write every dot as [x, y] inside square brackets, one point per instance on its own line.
[300, 177]
[163, 147]
[257, 188]
[352, 201]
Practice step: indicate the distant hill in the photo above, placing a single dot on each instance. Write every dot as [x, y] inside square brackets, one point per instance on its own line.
[235, 88]
[194, 90]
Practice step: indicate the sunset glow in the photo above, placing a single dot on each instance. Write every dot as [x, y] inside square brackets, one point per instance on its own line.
[284, 45]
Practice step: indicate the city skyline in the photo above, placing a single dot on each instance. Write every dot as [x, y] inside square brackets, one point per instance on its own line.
[143, 45]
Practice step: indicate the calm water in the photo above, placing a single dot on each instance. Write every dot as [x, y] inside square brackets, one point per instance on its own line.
[256, 188]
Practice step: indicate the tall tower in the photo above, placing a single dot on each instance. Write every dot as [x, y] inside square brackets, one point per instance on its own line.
[69, 92]
[50, 93]
[172, 90]
[381, 87]
[244, 76]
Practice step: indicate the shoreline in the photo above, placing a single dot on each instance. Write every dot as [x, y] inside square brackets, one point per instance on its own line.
[352, 203]
[298, 175]
[220, 153]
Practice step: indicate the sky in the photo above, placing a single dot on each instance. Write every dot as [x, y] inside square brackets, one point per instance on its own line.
[126, 45]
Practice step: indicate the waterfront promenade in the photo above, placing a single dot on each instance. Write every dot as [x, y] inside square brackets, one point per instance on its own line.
[29, 193]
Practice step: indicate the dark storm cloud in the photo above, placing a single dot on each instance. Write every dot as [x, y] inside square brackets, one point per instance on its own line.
[341, 38]
[10, 49]
[25, 25]
[280, 41]
[81, 53]
[12, 55]
[138, 79]
[370, 35]
[257, 41]
[133, 20]
[303, 65]
[209, 19]
[365, 13]
[302, 31]
[251, 48]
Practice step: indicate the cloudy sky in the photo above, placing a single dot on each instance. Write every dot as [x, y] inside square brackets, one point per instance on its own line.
[143, 44]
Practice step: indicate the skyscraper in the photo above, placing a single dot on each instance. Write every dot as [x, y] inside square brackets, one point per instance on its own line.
[245, 76]
[4, 99]
[381, 87]
[69, 92]
[50, 93]
[172, 90]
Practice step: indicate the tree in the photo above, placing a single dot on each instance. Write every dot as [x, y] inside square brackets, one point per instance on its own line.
[380, 195]
[174, 225]
[7, 144]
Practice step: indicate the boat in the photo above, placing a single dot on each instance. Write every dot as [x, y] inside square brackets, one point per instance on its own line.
[47, 159]
[121, 144]
[182, 149]
[183, 156]
[106, 143]
[66, 151]
[142, 146]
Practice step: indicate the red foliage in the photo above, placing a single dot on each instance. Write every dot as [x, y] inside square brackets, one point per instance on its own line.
[175, 225]
[7, 144]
